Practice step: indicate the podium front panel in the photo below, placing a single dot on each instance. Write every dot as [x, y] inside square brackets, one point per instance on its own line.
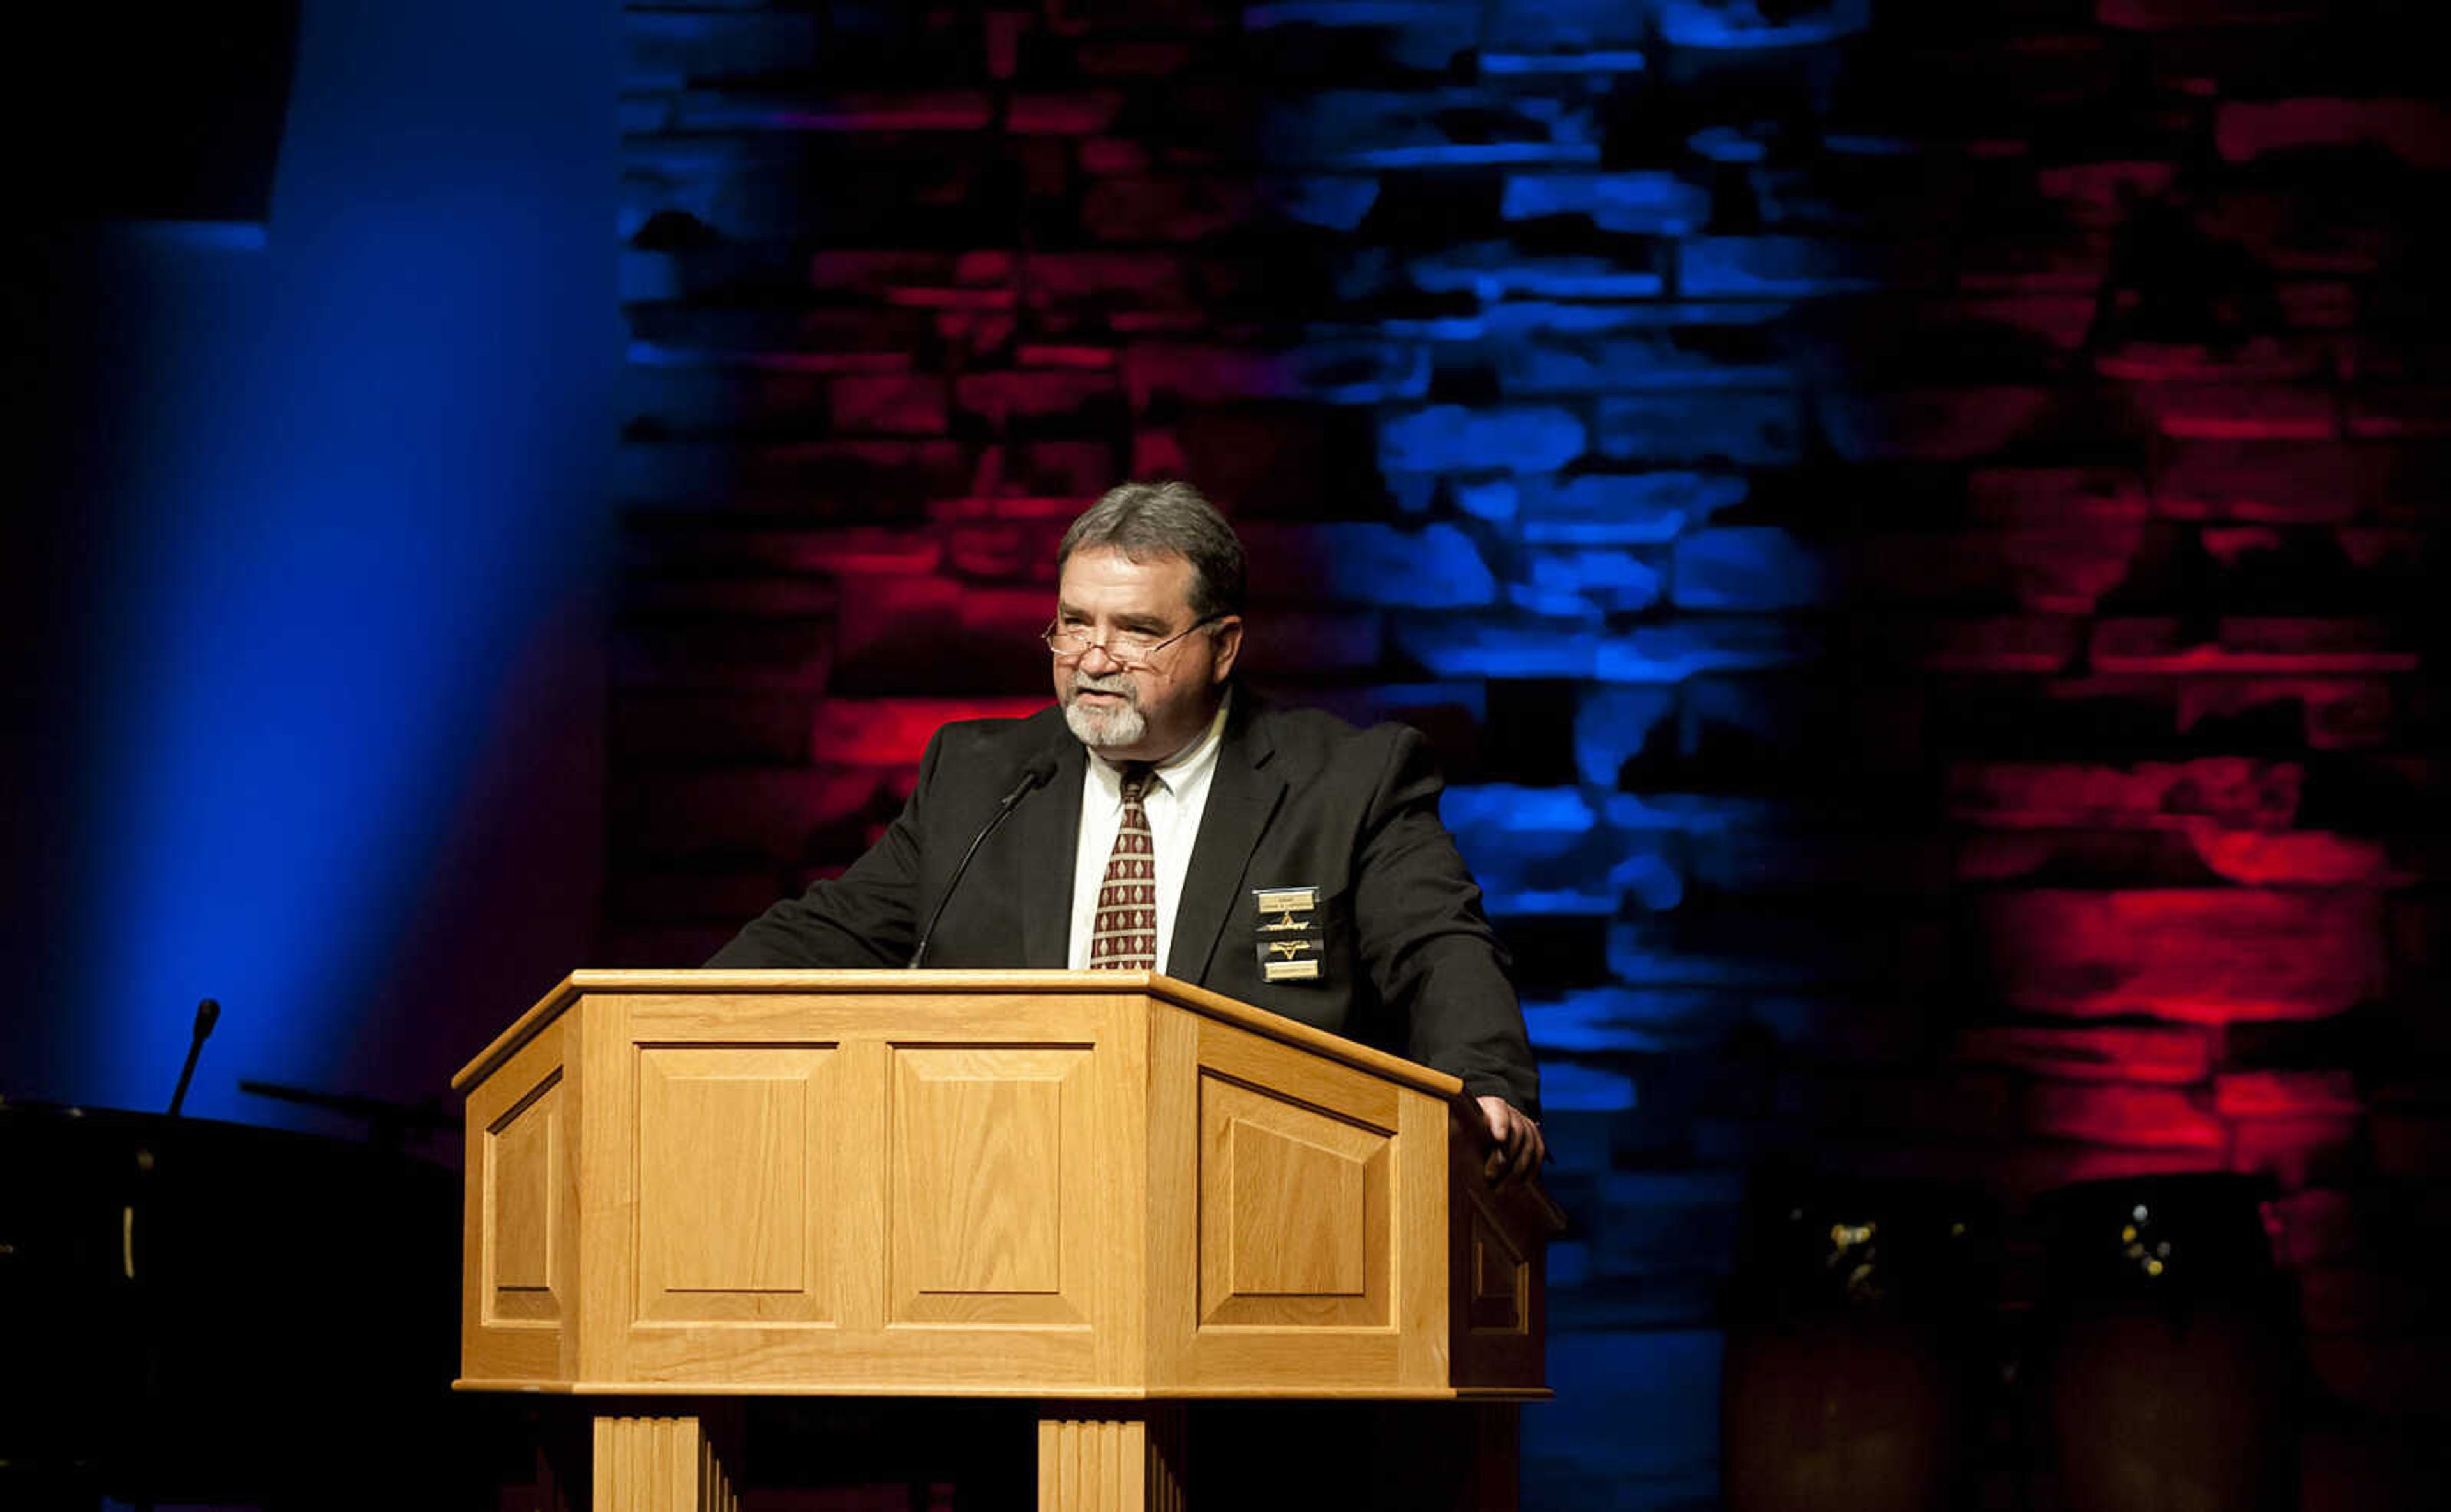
[833, 1191]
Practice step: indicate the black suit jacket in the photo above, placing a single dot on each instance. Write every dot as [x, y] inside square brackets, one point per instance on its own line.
[1298, 800]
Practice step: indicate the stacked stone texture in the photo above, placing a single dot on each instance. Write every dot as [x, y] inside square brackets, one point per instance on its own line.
[1915, 529]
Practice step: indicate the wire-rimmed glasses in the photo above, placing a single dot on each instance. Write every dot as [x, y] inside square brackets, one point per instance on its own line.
[1132, 652]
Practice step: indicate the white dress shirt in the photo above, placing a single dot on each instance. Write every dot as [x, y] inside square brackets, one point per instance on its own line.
[1174, 801]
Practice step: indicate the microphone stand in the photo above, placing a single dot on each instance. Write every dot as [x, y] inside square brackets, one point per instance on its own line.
[208, 1012]
[1038, 771]
[138, 1215]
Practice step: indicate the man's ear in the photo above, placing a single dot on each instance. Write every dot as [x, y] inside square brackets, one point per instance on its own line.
[1227, 640]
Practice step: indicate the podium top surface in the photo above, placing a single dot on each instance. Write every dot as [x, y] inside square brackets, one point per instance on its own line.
[1039, 983]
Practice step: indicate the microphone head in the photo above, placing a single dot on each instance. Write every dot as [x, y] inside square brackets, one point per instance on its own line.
[208, 1012]
[1032, 776]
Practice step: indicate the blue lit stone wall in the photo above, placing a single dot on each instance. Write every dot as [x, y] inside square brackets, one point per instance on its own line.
[1910, 525]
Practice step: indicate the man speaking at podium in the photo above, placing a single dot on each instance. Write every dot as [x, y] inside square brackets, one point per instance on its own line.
[1186, 826]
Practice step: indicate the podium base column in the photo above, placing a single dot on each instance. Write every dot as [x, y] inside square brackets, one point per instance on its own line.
[663, 1463]
[1124, 1461]
[1497, 1455]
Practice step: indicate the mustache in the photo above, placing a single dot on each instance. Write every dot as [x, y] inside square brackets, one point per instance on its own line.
[1115, 683]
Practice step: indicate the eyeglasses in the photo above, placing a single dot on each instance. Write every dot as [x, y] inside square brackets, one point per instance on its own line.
[1134, 653]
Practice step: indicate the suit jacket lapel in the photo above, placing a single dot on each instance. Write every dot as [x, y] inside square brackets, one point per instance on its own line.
[1241, 796]
[1050, 828]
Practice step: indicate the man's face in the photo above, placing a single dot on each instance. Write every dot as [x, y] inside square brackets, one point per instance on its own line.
[1139, 713]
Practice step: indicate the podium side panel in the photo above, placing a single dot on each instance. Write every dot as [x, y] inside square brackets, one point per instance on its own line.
[1496, 1262]
[518, 1237]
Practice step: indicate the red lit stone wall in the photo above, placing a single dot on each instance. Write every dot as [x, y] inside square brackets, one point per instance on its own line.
[1916, 528]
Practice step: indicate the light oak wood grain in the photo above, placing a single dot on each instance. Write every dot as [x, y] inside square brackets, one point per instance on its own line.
[519, 1233]
[989, 1162]
[521, 1160]
[1296, 1200]
[983, 985]
[1085, 1189]
[659, 1464]
[735, 1183]
[1127, 1462]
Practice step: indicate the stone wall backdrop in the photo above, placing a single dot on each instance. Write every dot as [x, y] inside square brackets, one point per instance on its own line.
[1915, 528]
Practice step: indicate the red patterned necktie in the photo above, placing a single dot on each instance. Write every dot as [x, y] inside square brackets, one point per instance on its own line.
[1122, 935]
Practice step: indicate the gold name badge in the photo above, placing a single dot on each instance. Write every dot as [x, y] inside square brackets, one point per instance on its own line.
[1290, 946]
[1286, 908]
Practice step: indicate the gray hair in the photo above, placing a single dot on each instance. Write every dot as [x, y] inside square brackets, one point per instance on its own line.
[1166, 519]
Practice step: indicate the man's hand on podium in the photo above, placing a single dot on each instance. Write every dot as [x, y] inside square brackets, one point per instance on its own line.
[1519, 1147]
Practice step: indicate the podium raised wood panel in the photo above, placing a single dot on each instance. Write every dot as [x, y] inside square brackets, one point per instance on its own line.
[521, 1158]
[1070, 1187]
[1299, 1199]
[735, 1184]
[519, 1231]
[1294, 1205]
[1498, 1326]
[992, 1171]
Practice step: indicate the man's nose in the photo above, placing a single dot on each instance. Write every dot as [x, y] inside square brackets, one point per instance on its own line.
[1105, 662]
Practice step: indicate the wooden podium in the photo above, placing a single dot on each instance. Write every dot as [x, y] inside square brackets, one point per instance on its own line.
[1110, 1192]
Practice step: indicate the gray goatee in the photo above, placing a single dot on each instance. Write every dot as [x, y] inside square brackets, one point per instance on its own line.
[1103, 729]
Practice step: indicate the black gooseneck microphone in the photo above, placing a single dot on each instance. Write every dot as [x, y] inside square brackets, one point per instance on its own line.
[1036, 772]
[208, 1012]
